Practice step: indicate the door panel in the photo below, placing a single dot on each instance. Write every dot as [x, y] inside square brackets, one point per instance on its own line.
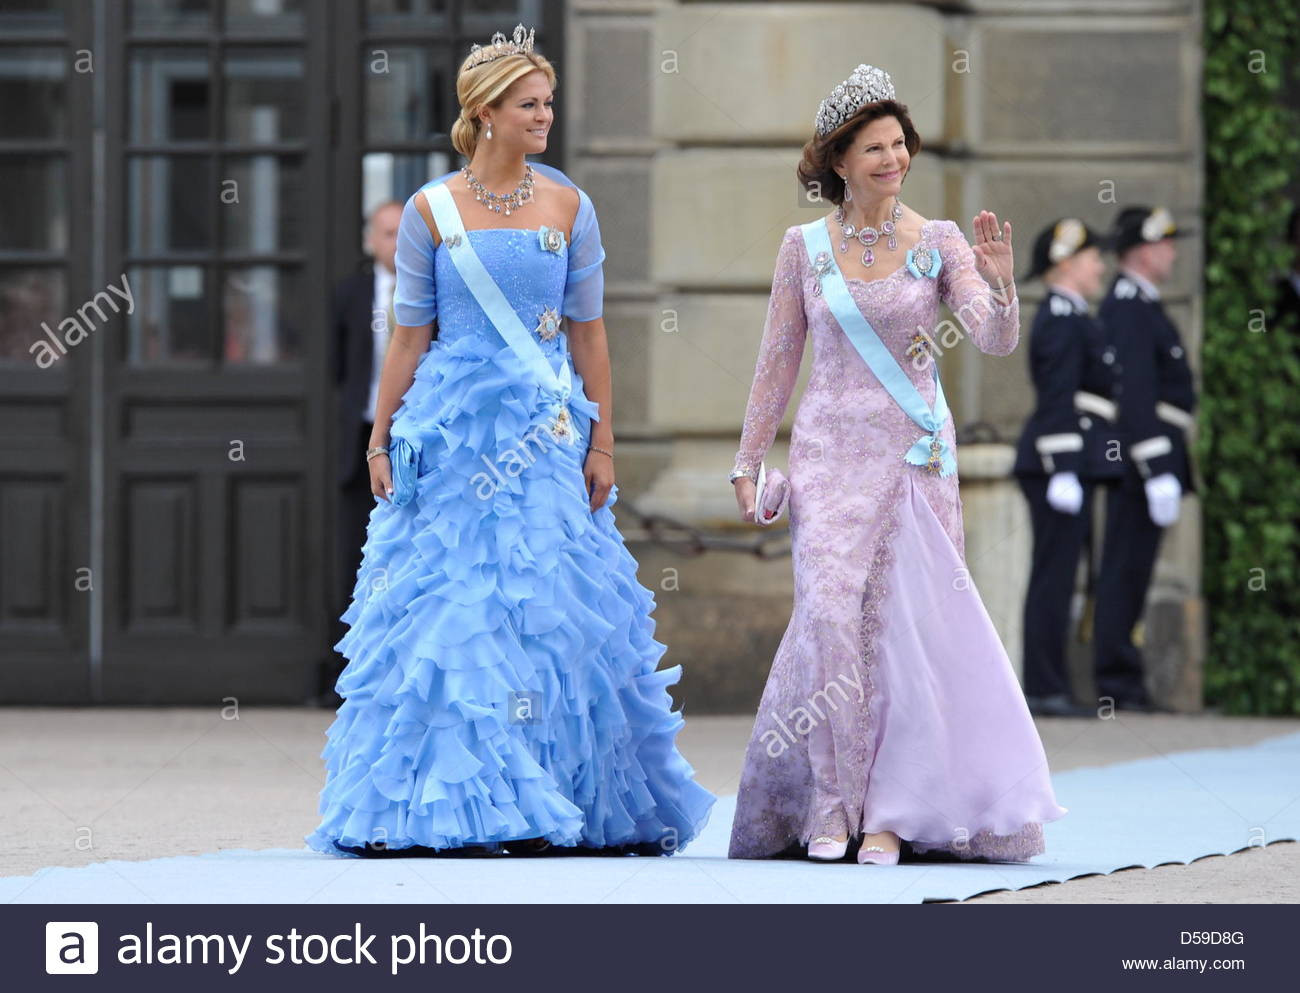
[216, 390]
[174, 210]
[47, 571]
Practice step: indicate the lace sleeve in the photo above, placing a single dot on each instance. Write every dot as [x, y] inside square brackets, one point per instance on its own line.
[993, 324]
[779, 355]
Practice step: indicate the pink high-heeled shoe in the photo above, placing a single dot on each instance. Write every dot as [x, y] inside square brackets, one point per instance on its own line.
[876, 855]
[827, 849]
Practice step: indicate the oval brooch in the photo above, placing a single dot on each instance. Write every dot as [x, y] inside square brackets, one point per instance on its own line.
[550, 239]
[924, 262]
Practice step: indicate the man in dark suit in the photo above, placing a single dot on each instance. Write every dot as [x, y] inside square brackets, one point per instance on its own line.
[363, 318]
[1156, 405]
[1063, 449]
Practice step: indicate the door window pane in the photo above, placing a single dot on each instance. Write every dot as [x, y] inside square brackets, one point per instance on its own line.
[172, 320]
[488, 16]
[264, 95]
[262, 306]
[33, 92]
[33, 203]
[171, 98]
[28, 298]
[156, 17]
[417, 15]
[385, 176]
[264, 17]
[267, 215]
[31, 16]
[171, 200]
[404, 91]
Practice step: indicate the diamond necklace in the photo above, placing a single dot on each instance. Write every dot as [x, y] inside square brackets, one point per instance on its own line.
[511, 201]
[868, 235]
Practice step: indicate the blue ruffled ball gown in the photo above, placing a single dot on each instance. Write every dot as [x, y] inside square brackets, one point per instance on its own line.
[502, 678]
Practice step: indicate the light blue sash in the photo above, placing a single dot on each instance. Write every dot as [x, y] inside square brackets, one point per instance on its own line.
[930, 451]
[493, 301]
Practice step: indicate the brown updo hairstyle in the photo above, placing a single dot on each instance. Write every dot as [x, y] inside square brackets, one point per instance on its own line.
[485, 85]
[816, 169]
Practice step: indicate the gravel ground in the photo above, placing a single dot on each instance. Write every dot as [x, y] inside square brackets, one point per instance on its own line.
[83, 785]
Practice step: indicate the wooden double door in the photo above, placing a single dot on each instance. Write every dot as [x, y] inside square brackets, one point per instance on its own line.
[181, 183]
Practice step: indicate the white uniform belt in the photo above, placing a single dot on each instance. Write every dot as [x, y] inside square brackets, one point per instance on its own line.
[1095, 404]
[1175, 415]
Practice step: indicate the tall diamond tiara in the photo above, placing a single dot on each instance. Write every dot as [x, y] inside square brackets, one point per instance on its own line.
[499, 46]
[866, 84]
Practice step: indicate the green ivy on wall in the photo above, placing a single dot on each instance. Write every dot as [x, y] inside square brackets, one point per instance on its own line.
[1249, 443]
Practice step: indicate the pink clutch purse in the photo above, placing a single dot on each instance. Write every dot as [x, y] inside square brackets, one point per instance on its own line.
[771, 495]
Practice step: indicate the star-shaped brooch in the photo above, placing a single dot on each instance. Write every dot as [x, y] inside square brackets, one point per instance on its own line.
[548, 324]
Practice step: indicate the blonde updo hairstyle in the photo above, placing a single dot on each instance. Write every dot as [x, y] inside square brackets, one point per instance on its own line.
[485, 85]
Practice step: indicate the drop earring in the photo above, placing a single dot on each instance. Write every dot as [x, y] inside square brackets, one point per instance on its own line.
[848, 193]
[489, 130]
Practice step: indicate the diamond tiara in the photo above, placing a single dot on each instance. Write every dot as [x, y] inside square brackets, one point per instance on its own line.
[866, 84]
[499, 46]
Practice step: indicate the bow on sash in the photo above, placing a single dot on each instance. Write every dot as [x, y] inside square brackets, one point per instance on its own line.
[929, 451]
[924, 262]
[559, 386]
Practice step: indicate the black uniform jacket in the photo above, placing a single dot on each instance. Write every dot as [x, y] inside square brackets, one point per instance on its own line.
[1157, 400]
[1073, 426]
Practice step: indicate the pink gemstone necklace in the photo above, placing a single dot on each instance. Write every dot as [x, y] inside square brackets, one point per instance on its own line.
[867, 235]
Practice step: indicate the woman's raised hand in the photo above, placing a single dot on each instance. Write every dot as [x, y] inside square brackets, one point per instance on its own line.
[993, 257]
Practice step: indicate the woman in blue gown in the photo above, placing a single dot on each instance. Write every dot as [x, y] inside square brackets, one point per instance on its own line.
[502, 691]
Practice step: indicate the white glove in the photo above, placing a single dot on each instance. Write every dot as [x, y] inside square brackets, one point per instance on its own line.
[1163, 495]
[1064, 493]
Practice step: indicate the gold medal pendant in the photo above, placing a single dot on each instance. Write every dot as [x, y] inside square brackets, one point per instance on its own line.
[935, 462]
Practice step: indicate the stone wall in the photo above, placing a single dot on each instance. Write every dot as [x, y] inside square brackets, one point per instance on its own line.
[685, 124]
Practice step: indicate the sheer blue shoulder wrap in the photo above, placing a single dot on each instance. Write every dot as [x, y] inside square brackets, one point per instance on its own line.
[415, 297]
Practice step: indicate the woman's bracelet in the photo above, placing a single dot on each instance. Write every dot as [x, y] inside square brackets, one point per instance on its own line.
[372, 452]
[594, 448]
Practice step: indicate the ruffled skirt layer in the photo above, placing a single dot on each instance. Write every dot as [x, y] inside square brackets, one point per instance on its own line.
[502, 679]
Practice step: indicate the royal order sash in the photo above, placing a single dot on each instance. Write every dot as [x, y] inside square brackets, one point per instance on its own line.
[494, 302]
[930, 451]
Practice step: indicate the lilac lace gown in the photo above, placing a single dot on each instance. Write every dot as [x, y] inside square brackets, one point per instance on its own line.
[891, 704]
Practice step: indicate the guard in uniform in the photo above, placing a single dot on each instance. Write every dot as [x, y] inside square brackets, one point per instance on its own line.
[1156, 405]
[1063, 449]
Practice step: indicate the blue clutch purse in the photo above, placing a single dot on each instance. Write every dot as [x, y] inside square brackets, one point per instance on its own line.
[404, 459]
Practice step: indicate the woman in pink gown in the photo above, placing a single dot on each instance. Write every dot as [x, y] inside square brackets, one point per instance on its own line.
[891, 712]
